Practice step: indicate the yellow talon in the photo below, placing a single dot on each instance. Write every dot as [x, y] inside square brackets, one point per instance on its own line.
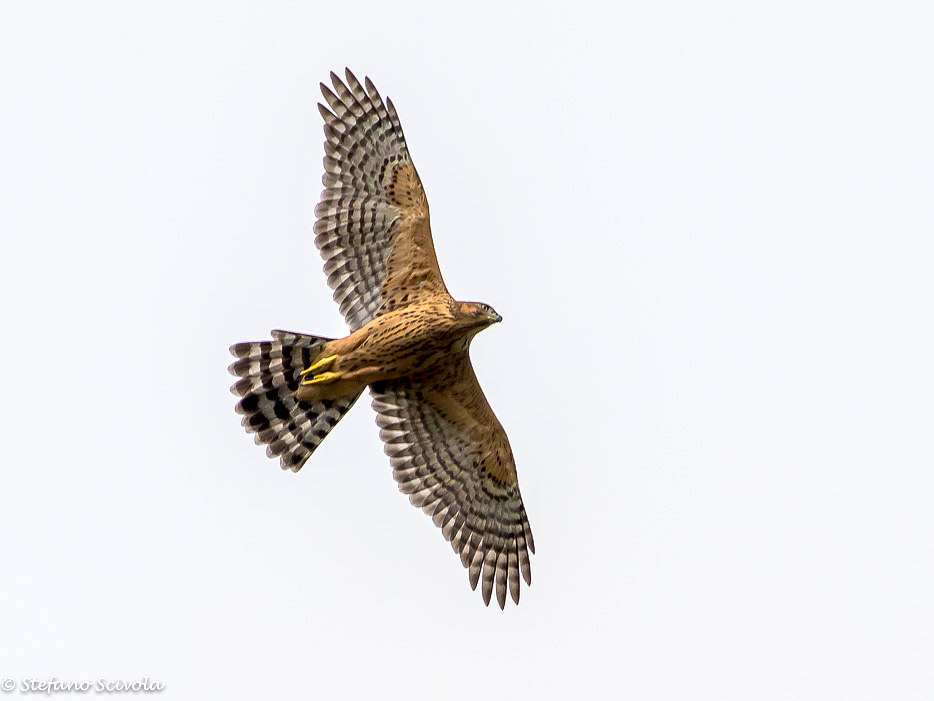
[322, 364]
[323, 378]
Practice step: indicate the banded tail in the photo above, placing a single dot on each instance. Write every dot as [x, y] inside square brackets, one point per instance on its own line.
[269, 372]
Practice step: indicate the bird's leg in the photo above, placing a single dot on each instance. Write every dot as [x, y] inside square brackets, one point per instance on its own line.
[322, 379]
[318, 377]
[322, 364]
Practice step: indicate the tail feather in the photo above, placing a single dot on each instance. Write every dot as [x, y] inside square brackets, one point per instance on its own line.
[269, 376]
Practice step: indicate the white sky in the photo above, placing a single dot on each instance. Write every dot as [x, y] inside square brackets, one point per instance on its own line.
[709, 230]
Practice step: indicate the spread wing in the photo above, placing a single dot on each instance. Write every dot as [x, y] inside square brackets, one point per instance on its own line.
[373, 226]
[450, 454]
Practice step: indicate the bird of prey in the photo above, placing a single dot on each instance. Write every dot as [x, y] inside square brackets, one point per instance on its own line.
[409, 343]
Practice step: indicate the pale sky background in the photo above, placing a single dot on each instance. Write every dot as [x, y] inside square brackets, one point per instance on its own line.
[709, 229]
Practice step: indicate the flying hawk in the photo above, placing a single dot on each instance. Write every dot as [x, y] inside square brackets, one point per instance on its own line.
[409, 343]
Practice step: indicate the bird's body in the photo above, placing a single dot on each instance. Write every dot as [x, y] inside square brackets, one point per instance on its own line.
[409, 344]
[406, 342]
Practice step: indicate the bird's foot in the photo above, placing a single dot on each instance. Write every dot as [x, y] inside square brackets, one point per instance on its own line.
[322, 364]
[318, 377]
[322, 379]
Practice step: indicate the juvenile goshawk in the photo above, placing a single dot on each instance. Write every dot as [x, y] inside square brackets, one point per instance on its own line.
[409, 344]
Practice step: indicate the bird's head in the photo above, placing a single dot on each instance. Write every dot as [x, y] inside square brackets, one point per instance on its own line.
[480, 314]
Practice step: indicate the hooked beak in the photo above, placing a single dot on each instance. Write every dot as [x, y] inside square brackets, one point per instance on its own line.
[497, 319]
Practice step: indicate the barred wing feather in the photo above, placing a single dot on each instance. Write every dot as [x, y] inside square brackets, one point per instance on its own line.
[372, 224]
[450, 454]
